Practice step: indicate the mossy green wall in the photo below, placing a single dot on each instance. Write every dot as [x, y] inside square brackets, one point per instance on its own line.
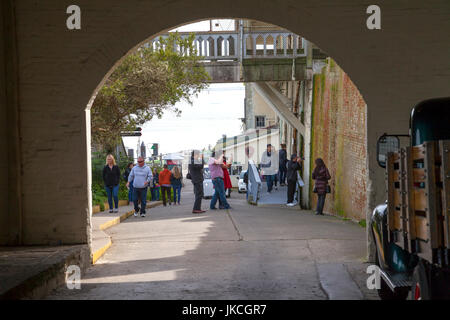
[338, 137]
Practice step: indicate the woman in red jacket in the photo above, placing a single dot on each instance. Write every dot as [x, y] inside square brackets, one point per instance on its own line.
[226, 177]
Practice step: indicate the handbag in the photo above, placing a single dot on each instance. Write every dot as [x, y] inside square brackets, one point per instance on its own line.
[188, 175]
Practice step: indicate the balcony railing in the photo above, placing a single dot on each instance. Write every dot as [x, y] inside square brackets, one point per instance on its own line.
[227, 46]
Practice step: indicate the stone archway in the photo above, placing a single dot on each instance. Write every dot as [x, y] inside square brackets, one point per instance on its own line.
[55, 72]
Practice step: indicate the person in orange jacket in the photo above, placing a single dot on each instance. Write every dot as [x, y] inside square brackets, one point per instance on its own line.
[164, 181]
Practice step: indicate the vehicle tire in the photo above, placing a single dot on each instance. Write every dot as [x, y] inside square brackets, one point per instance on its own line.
[385, 292]
[420, 289]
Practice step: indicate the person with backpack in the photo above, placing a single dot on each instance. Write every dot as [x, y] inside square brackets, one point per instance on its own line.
[321, 175]
[164, 181]
[291, 175]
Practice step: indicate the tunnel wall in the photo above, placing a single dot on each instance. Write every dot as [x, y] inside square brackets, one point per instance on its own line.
[339, 138]
[3, 137]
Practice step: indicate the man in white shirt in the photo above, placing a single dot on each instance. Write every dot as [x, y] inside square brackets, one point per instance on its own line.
[269, 166]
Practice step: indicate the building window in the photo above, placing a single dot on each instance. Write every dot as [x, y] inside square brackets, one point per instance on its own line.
[260, 121]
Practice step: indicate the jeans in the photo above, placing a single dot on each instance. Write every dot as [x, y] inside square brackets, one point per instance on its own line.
[269, 180]
[219, 192]
[320, 203]
[140, 193]
[130, 193]
[155, 193]
[275, 179]
[176, 191]
[282, 174]
[112, 192]
[198, 191]
[165, 193]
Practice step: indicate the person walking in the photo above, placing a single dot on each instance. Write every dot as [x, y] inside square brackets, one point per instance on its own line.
[291, 175]
[226, 177]
[215, 169]
[275, 175]
[141, 176]
[111, 179]
[164, 181]
[126, 174]
[154, 189]
[282, 156]
[246, 184]
[269, 166]
[176, 180]
[196, 172]
[321, 175]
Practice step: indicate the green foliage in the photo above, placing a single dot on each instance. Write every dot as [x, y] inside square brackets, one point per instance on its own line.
[362, 223]
[144, 85]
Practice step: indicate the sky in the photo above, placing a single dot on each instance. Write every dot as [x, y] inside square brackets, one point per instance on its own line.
[216, 111]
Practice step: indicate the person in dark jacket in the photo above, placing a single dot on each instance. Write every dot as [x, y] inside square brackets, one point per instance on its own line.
[321, 177]
[196, 171]
[291, 175]
[125, 176]
[111, 179]
[155, 188]
[246, 183]
[176, 180]
[282, 154]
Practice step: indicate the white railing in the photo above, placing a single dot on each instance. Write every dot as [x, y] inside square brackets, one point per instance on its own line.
[226, 46]
[273, 45]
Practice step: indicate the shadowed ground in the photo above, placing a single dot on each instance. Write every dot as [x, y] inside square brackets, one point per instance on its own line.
[249, 252]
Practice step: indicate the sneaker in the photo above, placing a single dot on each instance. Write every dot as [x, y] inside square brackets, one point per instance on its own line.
[143, 215]
[116, 210]
[135, 214]
[290, 204]
[197, 211]
[110, 211]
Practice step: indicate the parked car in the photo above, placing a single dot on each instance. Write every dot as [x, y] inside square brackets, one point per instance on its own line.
[241, 184]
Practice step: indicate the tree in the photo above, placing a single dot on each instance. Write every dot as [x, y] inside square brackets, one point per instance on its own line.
[147, 83]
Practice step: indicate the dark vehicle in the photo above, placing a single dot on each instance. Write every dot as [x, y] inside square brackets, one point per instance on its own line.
[412, 229]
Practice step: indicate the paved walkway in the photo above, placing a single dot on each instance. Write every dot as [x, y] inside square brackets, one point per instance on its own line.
[246, 253]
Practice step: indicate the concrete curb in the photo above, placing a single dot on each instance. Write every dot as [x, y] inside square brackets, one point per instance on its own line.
[105, 239]
[48, 274]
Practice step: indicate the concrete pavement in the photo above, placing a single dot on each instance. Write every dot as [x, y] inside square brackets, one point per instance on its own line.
[270, 252]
